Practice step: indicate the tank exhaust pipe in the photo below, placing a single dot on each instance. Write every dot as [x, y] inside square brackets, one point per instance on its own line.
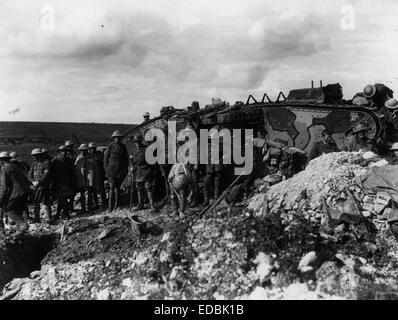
[321, 83]
[312, 84]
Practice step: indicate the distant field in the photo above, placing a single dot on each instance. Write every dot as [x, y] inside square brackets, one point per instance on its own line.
[22, 137]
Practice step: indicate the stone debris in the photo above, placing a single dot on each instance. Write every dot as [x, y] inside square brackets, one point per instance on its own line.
[314, 236]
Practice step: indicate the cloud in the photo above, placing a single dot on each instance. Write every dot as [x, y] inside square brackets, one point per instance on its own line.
[116, 57]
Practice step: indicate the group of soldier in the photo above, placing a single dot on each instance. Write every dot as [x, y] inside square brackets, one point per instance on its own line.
[59, 179]
[86, 171]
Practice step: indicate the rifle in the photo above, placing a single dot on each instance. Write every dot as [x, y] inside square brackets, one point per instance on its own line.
[220, 198]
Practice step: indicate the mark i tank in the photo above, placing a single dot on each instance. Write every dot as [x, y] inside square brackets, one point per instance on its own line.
[298, 118]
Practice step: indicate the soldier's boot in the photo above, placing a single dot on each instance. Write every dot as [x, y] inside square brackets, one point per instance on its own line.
[116, 194]
[110, 198]
[65, 210]
[59, 209]
[140, 194]
[151, 202]
[182, 205]
[194, 201]
[103, 199]
[206, 196]
[21, 224]
[174, 205]
[1, 218]
[49, 215]
[95, 199]
[83, 203]
[36, 213]
[90, 200]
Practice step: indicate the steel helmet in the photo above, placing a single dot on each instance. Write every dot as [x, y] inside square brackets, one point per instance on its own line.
[180, 181]
[116, 134]
[36, 152]
[69, 143]
[394, 147]
[83, 146]
[146, 114]
[92, 145]
[13, 155]
[61, 148]
[5, 155]
[359, 128]
[369, 91]
[391, 103]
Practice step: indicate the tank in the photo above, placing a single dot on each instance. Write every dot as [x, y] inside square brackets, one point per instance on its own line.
[298, 118]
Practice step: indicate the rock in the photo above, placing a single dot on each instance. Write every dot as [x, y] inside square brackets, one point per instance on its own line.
[299, 291]
[127, 282]
[165, 237]
[218, 296]
[328, 278]
[259, 293]
[264, 265]
[306, 261]
[35, 274]
[104, 295]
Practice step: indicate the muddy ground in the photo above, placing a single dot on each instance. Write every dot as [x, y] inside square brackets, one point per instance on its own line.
[244, 253]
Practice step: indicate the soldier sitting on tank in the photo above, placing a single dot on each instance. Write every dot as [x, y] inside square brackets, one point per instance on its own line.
[324, 146]
[180, 186]
[145, 178]
[359, 141]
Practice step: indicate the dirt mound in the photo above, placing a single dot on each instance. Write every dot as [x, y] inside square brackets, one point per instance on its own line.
[297, 240]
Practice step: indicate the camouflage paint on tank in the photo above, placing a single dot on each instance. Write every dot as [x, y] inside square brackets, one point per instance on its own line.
[302, 125]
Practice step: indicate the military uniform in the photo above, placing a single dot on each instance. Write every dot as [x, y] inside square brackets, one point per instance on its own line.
[14, 190]
[180, 184]
[116, 167]
[214, 177]
[64, 184]
[98, 159]
[145, 178]
[40, 173]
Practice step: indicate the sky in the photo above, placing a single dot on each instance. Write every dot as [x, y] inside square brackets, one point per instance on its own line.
[111, 60]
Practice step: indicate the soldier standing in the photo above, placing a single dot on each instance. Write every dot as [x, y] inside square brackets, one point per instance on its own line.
[214, 175]
[98, 159]
[70, 151]
[40, 176]
[64, 182]
[14, 190]
[116, 167]
[324, 146]
[71, 154]
[86, 178]
[144, 178]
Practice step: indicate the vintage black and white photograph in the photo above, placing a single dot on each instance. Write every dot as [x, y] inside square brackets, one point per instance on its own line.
[217, 150]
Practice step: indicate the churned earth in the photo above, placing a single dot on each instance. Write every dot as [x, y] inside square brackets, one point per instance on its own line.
[285, 242]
